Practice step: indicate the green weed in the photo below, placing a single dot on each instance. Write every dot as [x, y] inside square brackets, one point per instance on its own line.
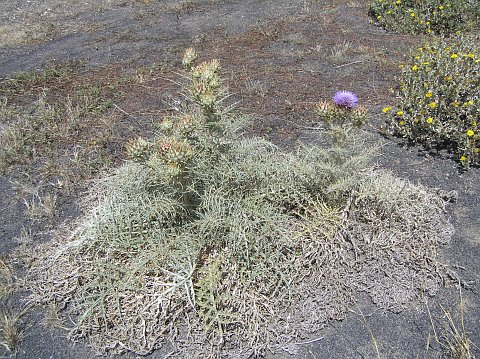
[438, 98]
[26, 81]
[428, 17]
[41, 128]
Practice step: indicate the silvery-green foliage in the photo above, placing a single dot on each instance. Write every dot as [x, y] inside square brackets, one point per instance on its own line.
[216, 242]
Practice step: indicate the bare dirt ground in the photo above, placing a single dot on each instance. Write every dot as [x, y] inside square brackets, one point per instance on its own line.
[279, 57]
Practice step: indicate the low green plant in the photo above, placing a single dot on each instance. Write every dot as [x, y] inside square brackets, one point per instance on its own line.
[219, 243]
[39, 129]
[26, 81]
[439, 98]
[428, 17]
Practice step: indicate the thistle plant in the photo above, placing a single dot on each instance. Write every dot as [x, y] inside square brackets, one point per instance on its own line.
[205, 89]
[228, 246]
[342, 115]
[439, 98]
[429, 17]
[186, 135]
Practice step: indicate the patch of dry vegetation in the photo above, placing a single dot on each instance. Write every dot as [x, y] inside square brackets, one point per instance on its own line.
[10, 329]
[453, 337]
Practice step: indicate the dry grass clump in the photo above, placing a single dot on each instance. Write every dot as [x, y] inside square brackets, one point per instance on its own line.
[215, 243]
[6, 278]
[453, 337]
[10, 329]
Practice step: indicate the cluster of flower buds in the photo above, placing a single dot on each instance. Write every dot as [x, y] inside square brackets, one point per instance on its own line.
[173, 152]
[206, 83]
[189, 58]
[182, 126]
[175, 149]
[187, 124]
[138, 149]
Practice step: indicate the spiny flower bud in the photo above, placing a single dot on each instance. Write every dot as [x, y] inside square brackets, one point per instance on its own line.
[323, 107]
[189, 57]
[174, 152]
[164, 147]
[359, 116]
[326, 111]
[187, 124]
[138, 149]
[208, 98]
[214, 65]
[166, 125]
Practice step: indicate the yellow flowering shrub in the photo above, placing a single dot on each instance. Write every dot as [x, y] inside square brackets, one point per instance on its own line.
[439, 98]
[428, 17]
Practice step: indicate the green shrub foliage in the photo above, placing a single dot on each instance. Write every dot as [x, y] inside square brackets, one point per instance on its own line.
[215, 242]
[439, 97]
[428, 17]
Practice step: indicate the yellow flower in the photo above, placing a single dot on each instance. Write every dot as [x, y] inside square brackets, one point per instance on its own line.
[414, 67]
[401, 123]
[440, 7]
[398, 2]
[470, 133]
[429, 120]
[428, 95]
[427, 23]
[400, 113]
[432, 104]
[412, 14]
[386, 109]
[472, 56]
[389, 12]
[463, 158]
[470, 102]
[426, 63]
[454, 56]
[448, 78]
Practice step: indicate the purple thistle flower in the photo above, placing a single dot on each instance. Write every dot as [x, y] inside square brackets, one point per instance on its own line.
[345, 99]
